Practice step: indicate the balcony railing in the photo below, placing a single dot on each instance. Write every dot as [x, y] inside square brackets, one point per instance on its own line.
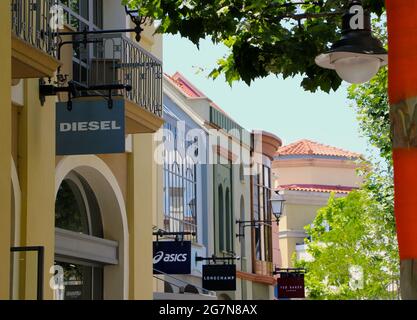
[31, 23]
[113, 58]
[109, 59]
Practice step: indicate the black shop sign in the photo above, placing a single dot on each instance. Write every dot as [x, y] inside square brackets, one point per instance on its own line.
[219, 277]
[172, 257]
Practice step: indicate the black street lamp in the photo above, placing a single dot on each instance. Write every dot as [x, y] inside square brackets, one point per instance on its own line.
[358, 55]
[138, 20]
[277, 204]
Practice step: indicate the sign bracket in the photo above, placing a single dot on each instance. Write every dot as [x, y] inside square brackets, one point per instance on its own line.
[178, 235]
[74, 88]
[293, 271]
[214, 258]
[252, 224]
[82, 38]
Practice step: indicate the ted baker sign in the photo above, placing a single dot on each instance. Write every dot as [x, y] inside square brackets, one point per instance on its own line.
[90, 127]
[291, 287]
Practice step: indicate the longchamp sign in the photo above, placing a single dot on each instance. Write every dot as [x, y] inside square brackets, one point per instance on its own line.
[90, 128]
[172, 257]
[219, 277]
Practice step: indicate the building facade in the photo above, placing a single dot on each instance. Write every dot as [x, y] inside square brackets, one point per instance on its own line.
[306, 173]
[80, 225]
[265, 145]
[238, 190]
[91, 216]
[185, 183]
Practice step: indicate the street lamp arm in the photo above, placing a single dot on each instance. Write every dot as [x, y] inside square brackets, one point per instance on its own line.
[251, 223]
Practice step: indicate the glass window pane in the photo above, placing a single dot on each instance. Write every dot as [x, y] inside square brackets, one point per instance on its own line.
[70, 210]
[81, 282]
[180, 183]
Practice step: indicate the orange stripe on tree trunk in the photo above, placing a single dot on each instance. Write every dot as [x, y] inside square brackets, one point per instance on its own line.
[402, 45]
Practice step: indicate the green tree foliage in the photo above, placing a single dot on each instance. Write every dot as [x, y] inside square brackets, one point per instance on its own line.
[265, 37]
[362, 225]
[370, 101]
[354, 241]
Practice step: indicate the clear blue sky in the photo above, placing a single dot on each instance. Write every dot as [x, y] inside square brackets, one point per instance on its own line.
[273, 104]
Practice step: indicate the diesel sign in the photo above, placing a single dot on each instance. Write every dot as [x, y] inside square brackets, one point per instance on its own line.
[90, 128]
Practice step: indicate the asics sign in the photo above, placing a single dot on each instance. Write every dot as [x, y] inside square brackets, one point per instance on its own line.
[169, 257]
[172, 257]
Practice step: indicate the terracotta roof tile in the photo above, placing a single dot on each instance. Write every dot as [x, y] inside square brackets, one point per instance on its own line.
[317, 188]
[308, 147]
[190, 90]
[179, 80]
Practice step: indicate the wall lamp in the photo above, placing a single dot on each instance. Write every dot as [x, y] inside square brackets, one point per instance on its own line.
[137, 19]
[277, 205]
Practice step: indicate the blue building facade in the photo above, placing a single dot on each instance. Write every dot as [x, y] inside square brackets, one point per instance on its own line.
[185, 181]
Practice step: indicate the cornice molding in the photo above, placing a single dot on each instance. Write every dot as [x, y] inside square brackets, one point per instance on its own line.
[269, 280]
[328, 163]
[292, 234]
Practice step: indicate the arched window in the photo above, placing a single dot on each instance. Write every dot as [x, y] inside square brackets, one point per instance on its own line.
[242, 218]
[221, 219]
[241, 173]
[77, 211]
[168, 288]
[76, 207]
[191, 289]
[228, 224]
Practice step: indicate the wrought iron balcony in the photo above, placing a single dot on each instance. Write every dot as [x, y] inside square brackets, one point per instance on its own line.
[31, 23]
[112, 59]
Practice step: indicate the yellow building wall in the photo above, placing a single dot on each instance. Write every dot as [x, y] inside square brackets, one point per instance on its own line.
[37, 180]
[119, 167]
[5, 149]
[295, 218]
[324, 173]
[27, 132]
[141, 207]
[289, 246]
[151, 42]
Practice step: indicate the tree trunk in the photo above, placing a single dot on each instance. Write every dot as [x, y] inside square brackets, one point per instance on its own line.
[402, 89]
[409, 279]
